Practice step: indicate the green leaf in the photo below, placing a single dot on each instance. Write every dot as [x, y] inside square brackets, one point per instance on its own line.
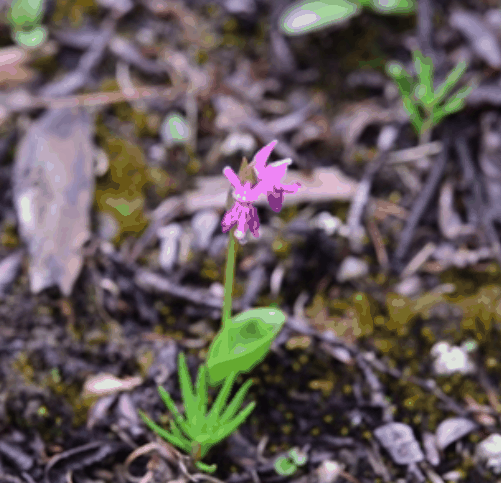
[231, 426]
[207, 468]
[190, 405]
[284, 466]
[32, 38]
[393, 7]
[201, 390]
[307, 16]
[221, 399]
[299, 458]
[414, 115]
[424, 69]
[184, 425]
[243, 342]
[401, 77]
[181, 443]
[25, 13]
[449, 82]
[235, 404]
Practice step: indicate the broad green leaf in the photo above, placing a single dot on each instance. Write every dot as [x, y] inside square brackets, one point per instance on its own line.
[243, 342]
[32, 38]
[284, 466]
[307, 16]
[25, 13]
[449, 82]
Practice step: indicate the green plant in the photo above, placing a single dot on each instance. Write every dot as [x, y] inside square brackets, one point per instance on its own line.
[287, 465]
[426, 105]
[244, 340]
[201, 430]
[25, 17]
[309, 15]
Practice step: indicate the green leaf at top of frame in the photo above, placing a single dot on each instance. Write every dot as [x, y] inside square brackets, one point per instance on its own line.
[391, 7]
[307, 15]
[25, 13]
[31, 38]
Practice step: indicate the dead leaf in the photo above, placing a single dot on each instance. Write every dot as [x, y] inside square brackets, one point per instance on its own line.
[53, 192]
[13, 70]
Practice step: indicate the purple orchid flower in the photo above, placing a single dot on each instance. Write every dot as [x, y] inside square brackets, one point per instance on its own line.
[270, 177]
[243, 212]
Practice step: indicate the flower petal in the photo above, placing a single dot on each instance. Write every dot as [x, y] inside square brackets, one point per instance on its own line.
[262, 156]
[276, 199]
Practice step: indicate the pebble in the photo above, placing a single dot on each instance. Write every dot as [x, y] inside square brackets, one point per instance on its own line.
[351, 268]
[204, 223]
[169, 237]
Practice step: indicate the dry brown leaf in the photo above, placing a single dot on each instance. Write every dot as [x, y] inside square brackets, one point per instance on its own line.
[53, 193]
[13, 70]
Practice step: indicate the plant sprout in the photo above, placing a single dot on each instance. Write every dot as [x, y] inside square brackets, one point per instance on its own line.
[426, 105]
[287, 465]
[198, 431]
[25, 17]
[309, 15]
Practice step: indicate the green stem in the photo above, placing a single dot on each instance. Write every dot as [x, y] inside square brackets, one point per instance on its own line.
[228, 280]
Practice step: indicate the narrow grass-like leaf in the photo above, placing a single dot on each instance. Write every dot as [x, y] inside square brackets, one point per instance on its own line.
[190, 405]
[204, 467]
[401, 77]
[231, 426]
[449, 82]
[201, 390]
[414, 115]
[173, 409]
[424, 69]
[236, 402]
[181, 443]
[221, 399]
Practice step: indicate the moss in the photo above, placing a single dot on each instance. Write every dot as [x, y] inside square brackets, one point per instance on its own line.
[120, 192]
[73, 11]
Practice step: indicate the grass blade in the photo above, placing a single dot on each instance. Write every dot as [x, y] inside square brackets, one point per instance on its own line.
[231, 426]
[221, 399]
[190, 406]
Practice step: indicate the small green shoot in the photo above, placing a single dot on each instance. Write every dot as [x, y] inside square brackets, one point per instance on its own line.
[198, 431]
[426, 105]
[287, 465]
[243, 342]
[25, 17]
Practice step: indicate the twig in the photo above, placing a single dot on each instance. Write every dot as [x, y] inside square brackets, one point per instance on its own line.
[420, 205]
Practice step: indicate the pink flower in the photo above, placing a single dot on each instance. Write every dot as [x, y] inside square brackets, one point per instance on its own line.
[243, 213]
[270, 177]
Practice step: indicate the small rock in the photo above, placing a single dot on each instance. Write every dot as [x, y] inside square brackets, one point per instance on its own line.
[449, 360]
[489, 451]
[325, 221]
[351, 268]
[236, 7]
[398, 439]
[409, 287]
[204, 224]
[451, 430]
[237, 141]
[169, 237]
